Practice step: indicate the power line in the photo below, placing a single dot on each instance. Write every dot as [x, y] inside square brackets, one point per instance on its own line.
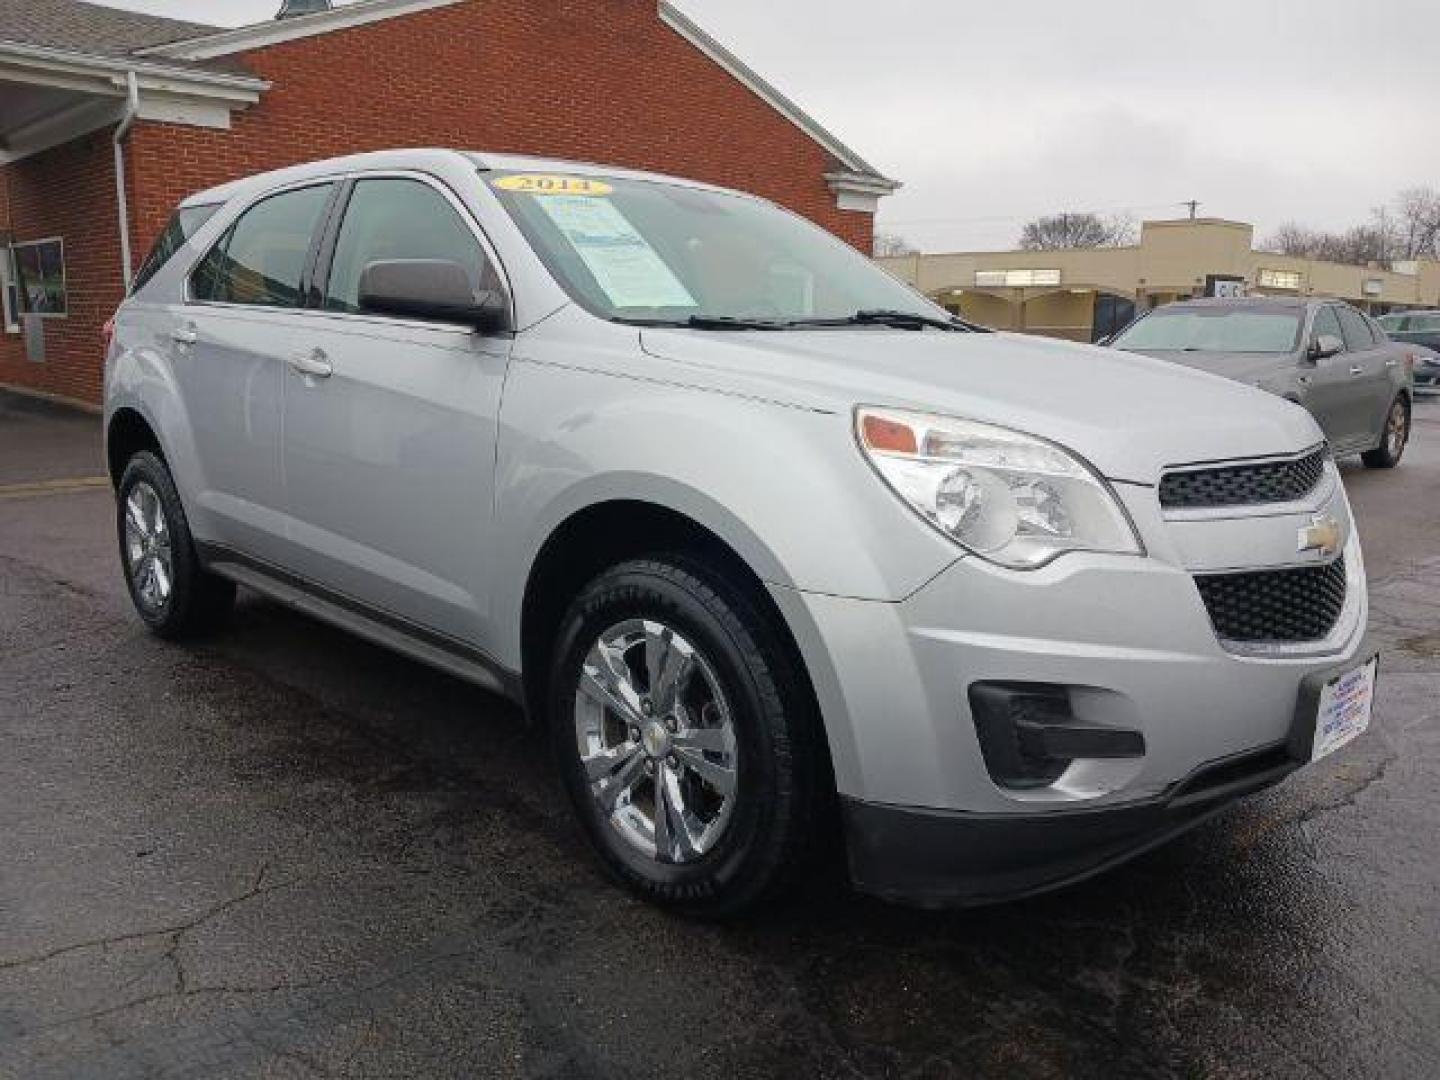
[1003, 218]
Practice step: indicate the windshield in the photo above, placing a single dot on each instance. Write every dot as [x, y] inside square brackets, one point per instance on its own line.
[645, 250]
[1213, 330]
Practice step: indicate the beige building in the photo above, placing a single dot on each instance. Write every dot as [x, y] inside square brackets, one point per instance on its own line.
[1085, 294]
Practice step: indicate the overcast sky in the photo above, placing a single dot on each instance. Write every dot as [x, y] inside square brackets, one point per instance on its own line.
[1264, 110]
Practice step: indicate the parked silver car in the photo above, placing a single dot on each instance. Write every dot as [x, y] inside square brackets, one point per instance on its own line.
[769, 542]
[1322, 354]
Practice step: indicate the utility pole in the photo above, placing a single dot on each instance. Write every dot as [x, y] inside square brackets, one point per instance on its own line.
[1193, 204]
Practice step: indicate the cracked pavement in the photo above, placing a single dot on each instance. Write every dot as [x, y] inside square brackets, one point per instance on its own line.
[287, 853]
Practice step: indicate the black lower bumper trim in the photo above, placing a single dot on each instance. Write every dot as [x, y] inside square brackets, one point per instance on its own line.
[950, 858]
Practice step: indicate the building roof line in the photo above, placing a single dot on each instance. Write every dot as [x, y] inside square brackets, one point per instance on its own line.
[855, 169]
[278, 31]
[45, 56]
[691, 31]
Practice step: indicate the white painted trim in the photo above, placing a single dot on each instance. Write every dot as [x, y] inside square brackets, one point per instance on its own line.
[278, 31]
[683, 25]
[167, 93]
[60, 64]
[856, 191]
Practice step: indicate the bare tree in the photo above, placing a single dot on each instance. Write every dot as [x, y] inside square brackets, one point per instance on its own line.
[1292, 239]
[1083, 229]
[1409, 228]
[889, 244]
[1417, 226]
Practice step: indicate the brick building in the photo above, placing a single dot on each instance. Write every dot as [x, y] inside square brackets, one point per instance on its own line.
[107, 118]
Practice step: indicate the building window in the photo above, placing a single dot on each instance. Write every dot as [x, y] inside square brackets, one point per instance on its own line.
[9, 294]
[40, 276]
[1016, 279]
[1280, 279]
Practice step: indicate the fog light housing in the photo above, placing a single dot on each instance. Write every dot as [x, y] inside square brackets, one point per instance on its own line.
[1029, 734]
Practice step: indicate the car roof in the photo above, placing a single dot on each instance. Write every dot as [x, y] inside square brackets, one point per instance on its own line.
[1278, 303]
[422, 158]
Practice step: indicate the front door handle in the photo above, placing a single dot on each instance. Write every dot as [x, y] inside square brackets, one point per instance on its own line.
[1392, 362]
[314, 364]
[1357, 370]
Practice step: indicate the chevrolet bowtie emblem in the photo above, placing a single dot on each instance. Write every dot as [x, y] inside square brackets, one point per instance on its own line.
[1324, 534]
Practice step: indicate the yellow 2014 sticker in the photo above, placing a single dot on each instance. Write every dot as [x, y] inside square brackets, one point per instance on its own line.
[553, 185]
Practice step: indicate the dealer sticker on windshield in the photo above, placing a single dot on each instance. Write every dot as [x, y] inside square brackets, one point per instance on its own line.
[1345, 707]
[554, 185]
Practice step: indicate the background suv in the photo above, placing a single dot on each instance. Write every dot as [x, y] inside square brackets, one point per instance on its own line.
[770, 543]
[1323, 354]
[1421, 331]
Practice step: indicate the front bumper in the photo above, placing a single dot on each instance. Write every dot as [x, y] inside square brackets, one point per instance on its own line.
[1130, 641]
[948, 858]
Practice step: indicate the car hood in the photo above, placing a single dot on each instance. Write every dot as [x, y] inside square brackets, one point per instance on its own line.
[1129, 415]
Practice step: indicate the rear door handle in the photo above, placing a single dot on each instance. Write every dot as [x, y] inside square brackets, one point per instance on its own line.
[314, 363]
[1357, 370]
[1392, 362]
[184, 335]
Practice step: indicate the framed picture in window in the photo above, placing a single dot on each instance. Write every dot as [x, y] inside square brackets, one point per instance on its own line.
[40, 276]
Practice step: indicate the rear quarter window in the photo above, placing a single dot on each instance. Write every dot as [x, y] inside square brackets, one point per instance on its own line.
[184, 223]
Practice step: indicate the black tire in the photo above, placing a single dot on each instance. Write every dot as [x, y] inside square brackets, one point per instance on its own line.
[1393, 439]
[196, 602]
[780, 768]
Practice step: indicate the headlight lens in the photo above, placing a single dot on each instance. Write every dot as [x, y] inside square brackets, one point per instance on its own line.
[1010, 497]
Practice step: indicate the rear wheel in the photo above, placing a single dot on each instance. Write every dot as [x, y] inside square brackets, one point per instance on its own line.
[171, 591]
[1395, 438]
[683, 736]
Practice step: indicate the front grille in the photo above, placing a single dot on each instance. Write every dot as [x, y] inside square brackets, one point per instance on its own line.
[1243, 485]
[1275, 605]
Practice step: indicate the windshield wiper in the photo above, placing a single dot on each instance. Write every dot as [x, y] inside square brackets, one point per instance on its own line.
[907, 320]
[707, 322]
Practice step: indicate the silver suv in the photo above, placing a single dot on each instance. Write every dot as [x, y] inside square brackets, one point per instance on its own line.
[773, 546]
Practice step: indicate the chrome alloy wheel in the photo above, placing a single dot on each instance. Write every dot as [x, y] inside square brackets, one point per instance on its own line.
[656, 740]
[1397, 430]
[147, 547]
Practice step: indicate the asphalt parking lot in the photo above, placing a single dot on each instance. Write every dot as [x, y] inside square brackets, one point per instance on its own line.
[287, 853]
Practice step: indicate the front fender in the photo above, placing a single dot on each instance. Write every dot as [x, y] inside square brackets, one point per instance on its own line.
[784, 486]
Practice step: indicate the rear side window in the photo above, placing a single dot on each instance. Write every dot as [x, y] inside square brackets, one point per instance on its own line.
[400, 219]
[1357, 333]
[261, 259]
[184, 223]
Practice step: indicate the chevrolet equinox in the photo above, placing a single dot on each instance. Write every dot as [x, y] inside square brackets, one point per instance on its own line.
[774, 547]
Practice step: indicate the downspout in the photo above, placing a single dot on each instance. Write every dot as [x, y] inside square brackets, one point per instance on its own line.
[132, 110]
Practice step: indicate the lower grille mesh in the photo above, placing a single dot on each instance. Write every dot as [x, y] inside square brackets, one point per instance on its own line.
[1275, 605]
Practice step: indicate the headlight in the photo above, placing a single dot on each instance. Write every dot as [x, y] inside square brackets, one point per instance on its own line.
[1010, 497]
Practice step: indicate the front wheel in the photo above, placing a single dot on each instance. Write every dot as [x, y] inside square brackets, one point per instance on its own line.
[1396, 435]
[683, 735]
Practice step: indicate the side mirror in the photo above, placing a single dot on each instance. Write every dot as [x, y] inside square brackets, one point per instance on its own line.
[435, 289]
[1324, 347]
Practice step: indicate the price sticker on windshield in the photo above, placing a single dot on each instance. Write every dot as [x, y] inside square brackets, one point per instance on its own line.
[553, 185]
